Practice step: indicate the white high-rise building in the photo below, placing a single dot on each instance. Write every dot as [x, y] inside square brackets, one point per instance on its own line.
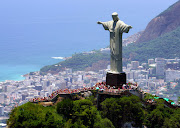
[46, 83]
[80, 78]
[1, 88]
[172, 75]
[128, 66]
[134, 65]
[68, 70]
[2, 98]
[160, 66]
[136, 74]
[1, 110]
[61, 84]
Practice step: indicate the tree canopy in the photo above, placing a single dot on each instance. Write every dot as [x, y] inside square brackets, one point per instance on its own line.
[113, 113]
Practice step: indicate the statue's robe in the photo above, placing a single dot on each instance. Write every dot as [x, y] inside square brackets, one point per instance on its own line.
[116, 29]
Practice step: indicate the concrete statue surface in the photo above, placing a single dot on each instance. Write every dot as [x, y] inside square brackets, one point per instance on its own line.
[116, 77]
[116, 28]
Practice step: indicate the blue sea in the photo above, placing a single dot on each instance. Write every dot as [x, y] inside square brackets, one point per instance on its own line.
[22, 52]
[32, 32]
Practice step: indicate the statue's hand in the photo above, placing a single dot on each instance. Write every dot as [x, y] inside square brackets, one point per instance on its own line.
[130, 27]
[99, 22]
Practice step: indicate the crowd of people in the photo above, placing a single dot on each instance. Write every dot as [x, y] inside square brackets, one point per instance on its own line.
[101, 87]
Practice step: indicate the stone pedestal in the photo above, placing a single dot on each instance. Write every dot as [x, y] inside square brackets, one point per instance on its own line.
[116, 80]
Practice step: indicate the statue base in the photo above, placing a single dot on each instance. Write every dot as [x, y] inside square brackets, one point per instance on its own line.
[116, 79]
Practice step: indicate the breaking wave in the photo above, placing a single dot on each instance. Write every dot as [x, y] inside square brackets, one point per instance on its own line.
[59, 58]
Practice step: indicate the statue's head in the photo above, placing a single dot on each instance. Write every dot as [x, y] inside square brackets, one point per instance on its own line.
[115, 16]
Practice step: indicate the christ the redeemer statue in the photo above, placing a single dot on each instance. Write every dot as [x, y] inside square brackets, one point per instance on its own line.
[116, 29]
[116, 77]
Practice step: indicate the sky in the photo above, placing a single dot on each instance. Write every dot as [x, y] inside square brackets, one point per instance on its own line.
[135, 12]
[60, 23]
[70, 21]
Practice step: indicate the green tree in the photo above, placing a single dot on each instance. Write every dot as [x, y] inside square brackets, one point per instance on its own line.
[65, 107]
[173, 121]
[122, 110]
[157, 117]
[84, 112]
[31, 115]
[103, 123]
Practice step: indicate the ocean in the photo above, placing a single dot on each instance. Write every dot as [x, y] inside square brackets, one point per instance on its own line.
[22, 52]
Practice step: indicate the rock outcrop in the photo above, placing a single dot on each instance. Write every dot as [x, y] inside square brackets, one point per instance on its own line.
[165, 22]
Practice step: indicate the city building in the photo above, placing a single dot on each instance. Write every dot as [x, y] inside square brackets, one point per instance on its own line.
[1, 110]
[160, 66]
[134, 65]
[172, 75]
[2, 98]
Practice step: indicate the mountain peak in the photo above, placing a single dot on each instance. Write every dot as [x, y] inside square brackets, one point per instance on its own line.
[165, 22]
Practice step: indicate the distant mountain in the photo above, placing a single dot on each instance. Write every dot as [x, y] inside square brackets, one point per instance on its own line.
[161, 38]
[165, 22]
[165, 46]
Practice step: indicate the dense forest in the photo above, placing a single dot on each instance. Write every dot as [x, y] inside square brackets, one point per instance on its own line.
[83, 113]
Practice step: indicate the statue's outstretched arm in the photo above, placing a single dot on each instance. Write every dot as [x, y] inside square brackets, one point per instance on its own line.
[99, 22]
[105, 24]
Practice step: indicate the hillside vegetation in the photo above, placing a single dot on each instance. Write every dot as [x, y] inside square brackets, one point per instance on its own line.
[78, 62]
[113, 113]
[165, 46]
